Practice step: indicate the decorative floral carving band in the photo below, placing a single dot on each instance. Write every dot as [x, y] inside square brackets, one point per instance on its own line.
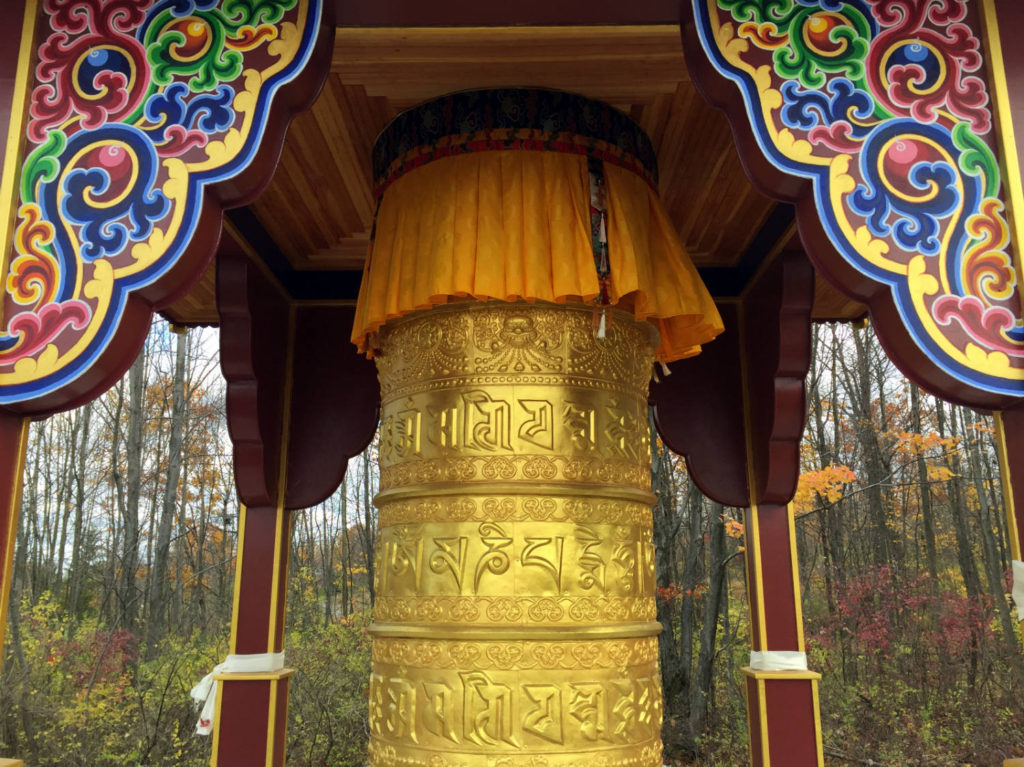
[137, 107]
[882, 105]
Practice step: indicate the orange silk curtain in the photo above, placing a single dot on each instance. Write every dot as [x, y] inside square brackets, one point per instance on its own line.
[515, 225]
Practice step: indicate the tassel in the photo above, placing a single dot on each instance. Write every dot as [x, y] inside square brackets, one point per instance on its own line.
[601, 326]
[664, 368]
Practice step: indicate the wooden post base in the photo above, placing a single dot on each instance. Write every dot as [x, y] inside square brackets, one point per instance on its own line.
[252, 711]
[19, 763]
[785, 704]
[1006, 763]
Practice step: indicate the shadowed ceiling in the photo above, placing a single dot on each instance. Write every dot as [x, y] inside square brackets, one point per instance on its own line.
[317, 212]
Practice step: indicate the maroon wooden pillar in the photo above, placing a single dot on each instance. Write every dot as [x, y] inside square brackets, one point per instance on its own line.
[16, 55]
[1010, 443]
[737, 413]
[300, 403]
[13, 439]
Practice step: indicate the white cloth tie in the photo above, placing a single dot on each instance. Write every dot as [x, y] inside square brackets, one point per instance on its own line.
[205, 693]
[1017, 591]
[778, 660]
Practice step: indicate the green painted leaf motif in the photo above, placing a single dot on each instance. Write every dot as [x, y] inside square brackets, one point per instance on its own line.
[758, 11]
[240, 13]
[850, 41]
[42, 165]
[976, 159]
[218, 64]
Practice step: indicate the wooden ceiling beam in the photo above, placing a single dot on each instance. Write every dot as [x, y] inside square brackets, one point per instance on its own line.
[457, 13]
[619, 65]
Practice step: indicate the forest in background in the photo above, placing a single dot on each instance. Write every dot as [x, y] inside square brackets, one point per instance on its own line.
[124, 562]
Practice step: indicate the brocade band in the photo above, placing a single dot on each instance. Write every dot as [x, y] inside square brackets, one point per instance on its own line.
[515, 618]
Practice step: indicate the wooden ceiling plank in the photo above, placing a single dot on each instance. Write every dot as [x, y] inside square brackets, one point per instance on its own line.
[615, 64]
[319, 206]
[351, 161]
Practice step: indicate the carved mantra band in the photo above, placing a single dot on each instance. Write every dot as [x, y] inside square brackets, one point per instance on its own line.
[515, 618]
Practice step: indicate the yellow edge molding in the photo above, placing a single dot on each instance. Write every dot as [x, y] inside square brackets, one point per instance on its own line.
[237, 597]
[7, 560]
[754, 543]
[762, 700]
[755, 673]
[215, 751]
[271, 717]
[798, 605]
[254, 676]
[280, 546]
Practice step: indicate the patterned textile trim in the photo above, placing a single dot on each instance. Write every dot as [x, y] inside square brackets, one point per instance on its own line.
[510, 119]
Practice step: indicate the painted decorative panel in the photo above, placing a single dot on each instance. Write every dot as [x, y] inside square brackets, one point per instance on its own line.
[137, 107]
[883, 106]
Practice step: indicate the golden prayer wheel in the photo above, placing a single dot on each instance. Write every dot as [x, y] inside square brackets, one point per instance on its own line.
[515, 612]
[514, 621]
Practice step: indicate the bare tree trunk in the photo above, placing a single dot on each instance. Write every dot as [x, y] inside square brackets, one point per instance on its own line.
[130, 489]
[346, 559]
[860, 394]
[161, 588]
[990, 548]
[965, 557]
[700, 687]
[14, 617]
[667, 522]
[924, 488]
[77, 568]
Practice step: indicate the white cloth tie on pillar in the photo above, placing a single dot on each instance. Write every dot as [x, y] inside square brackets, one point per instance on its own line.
[205, 693]
[778, 660]
[1018, 588]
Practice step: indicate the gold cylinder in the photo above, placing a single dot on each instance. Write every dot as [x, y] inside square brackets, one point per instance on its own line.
[515, 617]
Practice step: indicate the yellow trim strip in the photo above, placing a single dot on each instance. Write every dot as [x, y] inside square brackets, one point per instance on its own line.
[16, 139]
[217, 720]
[750, 730]
[271, 719]
[817, 724]
[13, 513]
[755, 536]
[762, 699]
[797, 602]
[1007, 482]
[236, 599]
[1009, 160]
[255, 676]
[755, 542]
[280, 546]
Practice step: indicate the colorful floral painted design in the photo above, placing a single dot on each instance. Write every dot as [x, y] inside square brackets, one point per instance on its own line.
[882, 105]
[138, 105]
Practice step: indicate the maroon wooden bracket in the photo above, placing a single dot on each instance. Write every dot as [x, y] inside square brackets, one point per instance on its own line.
[335, 403]
[761, 358]
[334, 398]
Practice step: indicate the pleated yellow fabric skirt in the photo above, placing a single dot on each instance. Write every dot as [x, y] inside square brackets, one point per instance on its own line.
[515, 225]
